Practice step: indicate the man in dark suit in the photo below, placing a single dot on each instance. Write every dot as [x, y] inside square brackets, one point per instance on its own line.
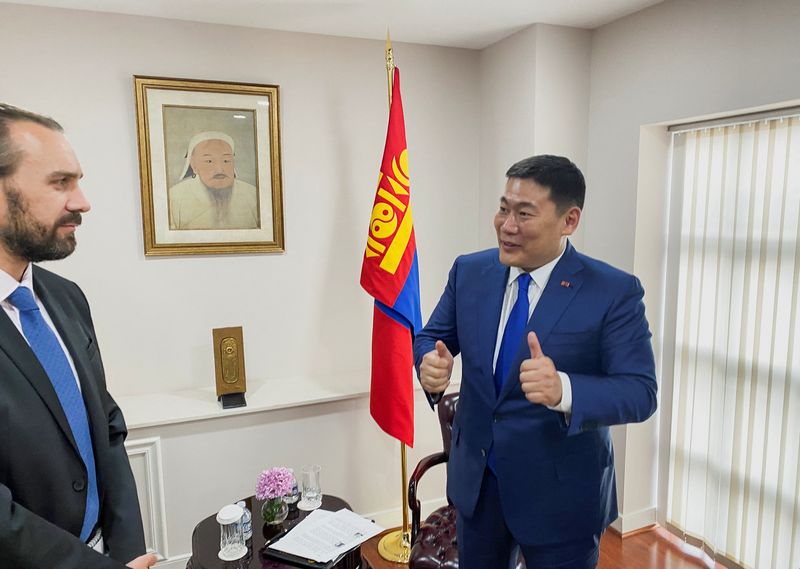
[554, 349]
[67, 494]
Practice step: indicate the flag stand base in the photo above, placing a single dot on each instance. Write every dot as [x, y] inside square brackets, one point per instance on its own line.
[395, 546]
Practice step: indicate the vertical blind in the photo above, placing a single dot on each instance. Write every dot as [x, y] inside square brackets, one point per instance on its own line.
[734, 482]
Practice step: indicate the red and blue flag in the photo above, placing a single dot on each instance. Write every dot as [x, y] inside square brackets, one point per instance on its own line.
[390, 274]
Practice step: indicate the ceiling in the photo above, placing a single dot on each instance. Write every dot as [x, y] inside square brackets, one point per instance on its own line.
[457, 23]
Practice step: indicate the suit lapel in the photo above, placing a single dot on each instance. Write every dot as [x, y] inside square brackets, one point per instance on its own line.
[494, 278]
[564, 283]
[76, 339]
[19, 352]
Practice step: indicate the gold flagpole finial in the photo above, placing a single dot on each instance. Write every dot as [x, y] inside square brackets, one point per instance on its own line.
[389, 64]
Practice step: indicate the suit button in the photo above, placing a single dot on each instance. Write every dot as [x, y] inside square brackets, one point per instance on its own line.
[78, 485]
[495, 418]
[483, 452]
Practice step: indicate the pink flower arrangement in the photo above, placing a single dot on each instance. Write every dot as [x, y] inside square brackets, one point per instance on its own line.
[274, 483]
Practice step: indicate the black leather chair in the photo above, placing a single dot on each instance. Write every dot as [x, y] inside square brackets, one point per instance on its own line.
[434, 544]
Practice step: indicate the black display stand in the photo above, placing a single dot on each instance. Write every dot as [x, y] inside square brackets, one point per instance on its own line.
[232, 400]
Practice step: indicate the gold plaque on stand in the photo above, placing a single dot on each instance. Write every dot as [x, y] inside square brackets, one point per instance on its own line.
[229, 366]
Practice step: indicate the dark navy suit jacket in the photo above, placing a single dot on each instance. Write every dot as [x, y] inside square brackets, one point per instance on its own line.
[556, 479]
[42, 476]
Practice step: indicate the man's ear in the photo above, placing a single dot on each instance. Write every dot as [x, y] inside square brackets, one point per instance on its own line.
[572, 219]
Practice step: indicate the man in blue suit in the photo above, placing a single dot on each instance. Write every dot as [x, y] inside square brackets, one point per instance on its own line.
[554, 349]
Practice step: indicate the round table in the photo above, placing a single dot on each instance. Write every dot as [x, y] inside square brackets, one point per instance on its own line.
[371, 559]
[205, 540]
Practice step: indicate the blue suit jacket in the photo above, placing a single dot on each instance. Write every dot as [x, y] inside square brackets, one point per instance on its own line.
[556, 479]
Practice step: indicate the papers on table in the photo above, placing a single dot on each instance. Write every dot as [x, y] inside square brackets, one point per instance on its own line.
[323, 535]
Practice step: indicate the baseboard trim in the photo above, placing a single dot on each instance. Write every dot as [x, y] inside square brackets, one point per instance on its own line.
[393, 517]
[625, 525]
[634, 522]
[175, 562]
[645, 529]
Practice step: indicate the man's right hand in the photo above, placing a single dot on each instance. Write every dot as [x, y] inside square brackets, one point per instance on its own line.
[435, 369]
[143, 561]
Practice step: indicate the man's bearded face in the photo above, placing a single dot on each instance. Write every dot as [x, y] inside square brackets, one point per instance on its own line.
[212, 160]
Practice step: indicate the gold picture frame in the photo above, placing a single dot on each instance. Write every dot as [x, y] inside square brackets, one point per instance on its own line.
[210, 166]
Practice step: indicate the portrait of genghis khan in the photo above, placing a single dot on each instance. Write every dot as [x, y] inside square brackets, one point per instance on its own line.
[208, 194]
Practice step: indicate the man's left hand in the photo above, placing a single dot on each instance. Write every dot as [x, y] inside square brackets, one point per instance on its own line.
[538, 377]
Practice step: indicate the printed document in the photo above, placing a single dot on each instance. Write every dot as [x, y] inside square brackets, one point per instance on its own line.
[323, 535]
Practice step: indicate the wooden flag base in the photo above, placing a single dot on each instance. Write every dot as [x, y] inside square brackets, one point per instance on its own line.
[395, 546]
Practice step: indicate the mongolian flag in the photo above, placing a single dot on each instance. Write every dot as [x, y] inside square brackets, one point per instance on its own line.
[390, 274]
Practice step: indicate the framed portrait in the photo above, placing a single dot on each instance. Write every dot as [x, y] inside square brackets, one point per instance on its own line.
[210, 166]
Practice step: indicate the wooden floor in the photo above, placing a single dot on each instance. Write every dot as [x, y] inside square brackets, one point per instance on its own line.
[652, 549]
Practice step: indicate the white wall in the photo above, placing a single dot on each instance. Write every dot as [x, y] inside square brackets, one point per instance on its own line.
[534, 100]
[207, 464]
[78, 67]
[303, 312]
[561, 109]
[469, 115]
[676, 60]
[507, 104]
[563, 56]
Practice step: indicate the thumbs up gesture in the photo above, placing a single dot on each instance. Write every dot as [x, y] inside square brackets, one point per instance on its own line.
[435, 369]
[538, 377]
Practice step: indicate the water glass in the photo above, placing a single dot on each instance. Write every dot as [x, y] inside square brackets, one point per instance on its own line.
[312, 494]
[231, 536]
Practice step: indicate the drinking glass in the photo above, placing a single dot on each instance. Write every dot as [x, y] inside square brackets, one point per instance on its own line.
[231, 536]
[312, 494]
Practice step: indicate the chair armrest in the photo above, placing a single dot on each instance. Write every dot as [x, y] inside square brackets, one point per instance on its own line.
[413, 503]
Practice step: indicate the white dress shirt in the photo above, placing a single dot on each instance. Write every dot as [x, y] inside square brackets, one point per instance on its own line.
[539, 278]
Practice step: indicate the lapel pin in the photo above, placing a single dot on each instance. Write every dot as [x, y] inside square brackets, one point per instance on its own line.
[566, 284]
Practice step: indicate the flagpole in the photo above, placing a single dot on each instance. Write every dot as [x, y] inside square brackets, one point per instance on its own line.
[396, 546]
[389, 65]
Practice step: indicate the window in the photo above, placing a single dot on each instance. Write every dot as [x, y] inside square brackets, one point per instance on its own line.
[734, 473]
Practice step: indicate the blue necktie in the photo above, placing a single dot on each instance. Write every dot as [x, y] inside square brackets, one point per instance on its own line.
[512, 333]
[514, 330]
[45, 346]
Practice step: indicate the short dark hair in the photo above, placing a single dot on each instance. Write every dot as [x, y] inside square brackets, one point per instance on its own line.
[560, 174]
[9, 154]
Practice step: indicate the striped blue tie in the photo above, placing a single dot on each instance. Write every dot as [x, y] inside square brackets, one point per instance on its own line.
[45, 346]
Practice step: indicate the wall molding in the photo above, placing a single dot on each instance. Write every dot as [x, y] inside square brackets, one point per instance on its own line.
[177, 562]
[149, 449]
[393, 517]
[633, 521]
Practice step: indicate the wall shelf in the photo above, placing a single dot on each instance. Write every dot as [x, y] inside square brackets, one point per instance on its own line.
[167, 408]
